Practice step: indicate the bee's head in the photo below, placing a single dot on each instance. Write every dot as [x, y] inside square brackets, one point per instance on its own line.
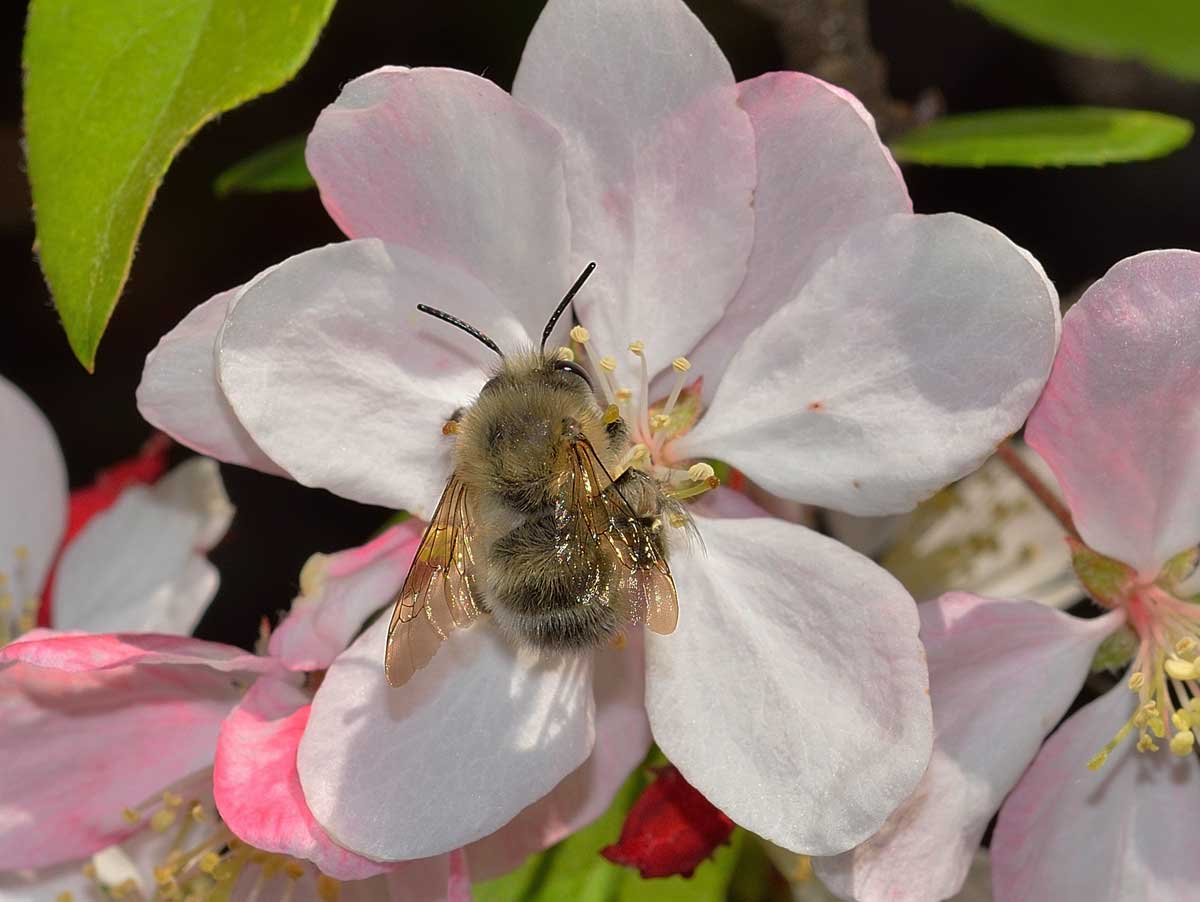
[514, 440]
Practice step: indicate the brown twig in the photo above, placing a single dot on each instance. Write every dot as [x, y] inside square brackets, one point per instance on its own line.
[1008, 453]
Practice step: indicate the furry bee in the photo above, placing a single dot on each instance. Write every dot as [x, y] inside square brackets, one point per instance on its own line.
[538, 526]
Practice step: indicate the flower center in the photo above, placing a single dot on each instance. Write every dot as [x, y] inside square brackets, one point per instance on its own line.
[201, 860]
[19, 600]
[1165, 670]
[653, 425]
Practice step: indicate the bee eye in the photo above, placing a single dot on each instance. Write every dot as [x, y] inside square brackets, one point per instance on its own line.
[570, 366]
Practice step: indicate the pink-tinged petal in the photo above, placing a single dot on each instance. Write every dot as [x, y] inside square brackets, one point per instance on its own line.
[1119, 422]
[723, 502]
[45, 884]
[75, 652]
[425, 880]
[33, 492]
[1001, 674]
[822, 170]
[336, 374]
[793, 693]
[919, 345]
[338, 592]
[622, 740]
[473, 738]
[80, 748]
[1119, 834]
[140, 565]
[257, 788]
[446, 163]
[660, 166]
[179, 393]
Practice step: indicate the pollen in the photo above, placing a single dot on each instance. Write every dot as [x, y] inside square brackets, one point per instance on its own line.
[450, 427]
[580, 335]
[612, 413]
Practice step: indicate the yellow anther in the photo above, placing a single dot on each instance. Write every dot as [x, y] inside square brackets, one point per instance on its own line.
[681, 364]
[131, 816]
[22, 552]
[624, 394]
[1146, 744]
[199, 815]
[1179, 669]
[294, 869]
[1193, 705]
[450, 427]
[164, 874]
[1157, 726]
[162, 820]
[64, 896]
[701, 472]
[89, 871]
[564, 353]
[580, 335]
[1184, 645]
[608, 364]
[172, 800]
[25, 623]
[1180, 720]
[1097, 761]
[328, 889]
[612, 413]
[208, 862]
[659, 420]
[1137, 680]
[637, 348]
[1182, 743]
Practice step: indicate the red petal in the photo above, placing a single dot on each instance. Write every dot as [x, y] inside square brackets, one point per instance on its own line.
[142, 469]
[670, 829]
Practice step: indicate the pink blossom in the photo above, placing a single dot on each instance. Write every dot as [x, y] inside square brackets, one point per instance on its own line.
[121, 738]
[852, 355]
[1099, 811]
[135, 556]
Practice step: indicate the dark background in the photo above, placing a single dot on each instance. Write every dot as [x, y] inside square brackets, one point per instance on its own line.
[1078, 222]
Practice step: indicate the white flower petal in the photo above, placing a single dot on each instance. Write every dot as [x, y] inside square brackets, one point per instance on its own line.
[45, 884]
[458, 751]
[660, 166]
[793, 694]
[1120, 421]
[33, 490]
[334, 372]
[179, 393]
[448, 164]
[822, 170]
[1001, 674]
[622, 740]
[139, 566]
[1119, 834]
[908, 356]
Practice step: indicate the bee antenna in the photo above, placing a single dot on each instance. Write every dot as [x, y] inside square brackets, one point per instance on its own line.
[566, 302]
[458, 323]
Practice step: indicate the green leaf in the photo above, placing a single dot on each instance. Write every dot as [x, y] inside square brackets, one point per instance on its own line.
[1044, 136]
[574, 869]
[1164, 34]
[113, 89]
[280, 167]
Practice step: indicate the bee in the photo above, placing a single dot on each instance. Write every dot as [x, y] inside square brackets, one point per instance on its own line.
[539, 525]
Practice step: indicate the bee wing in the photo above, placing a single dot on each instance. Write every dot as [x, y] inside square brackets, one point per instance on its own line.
[438, 595]
[642, 587]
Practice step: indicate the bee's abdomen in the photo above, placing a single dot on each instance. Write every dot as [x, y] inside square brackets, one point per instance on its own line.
[547, 593]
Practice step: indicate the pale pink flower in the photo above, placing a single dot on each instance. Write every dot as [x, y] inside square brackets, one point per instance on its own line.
[1090, 817]
[853, 355]
[139, 565]
[126, 738]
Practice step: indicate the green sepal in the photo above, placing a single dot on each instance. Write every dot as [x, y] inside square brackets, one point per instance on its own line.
[1178, 568]
[1105, 579]
[1116, 651]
